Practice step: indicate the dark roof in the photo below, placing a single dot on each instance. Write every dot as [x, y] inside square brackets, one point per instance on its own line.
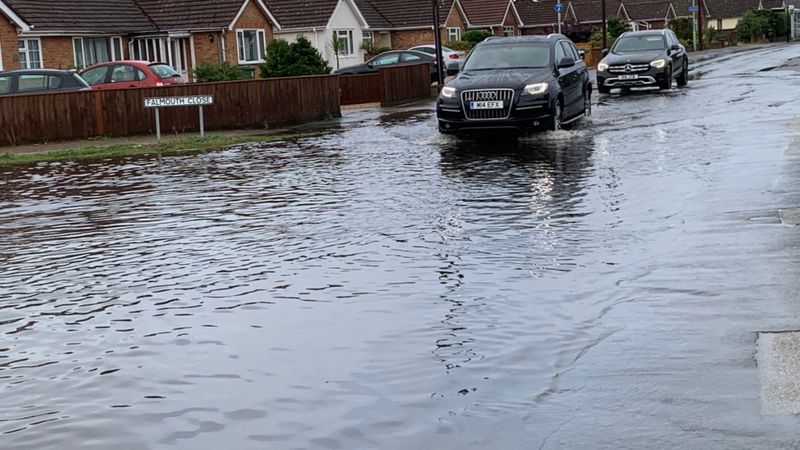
[485, 12]
[648, 9]
[302, 13]
[191, 14]
[726, 9]
[541, 12]
[590, 11]
[384, 14]
[86, 16]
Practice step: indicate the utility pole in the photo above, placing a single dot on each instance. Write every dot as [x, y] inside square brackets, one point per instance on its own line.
[700, 27]
[694, 25]
[437, 38]
[605, 25]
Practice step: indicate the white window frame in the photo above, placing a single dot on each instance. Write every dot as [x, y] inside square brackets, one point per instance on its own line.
[350, 47]
[453, 34]
[26, 41]
[367, 36]
[152, 50]
[509, 31]
[261, 35]
[117, 53]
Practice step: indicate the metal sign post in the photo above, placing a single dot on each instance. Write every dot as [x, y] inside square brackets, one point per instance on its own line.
[559, 10]
[694, 9]
[169, 102]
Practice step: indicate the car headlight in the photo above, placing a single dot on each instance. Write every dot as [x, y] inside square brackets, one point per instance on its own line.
[659, 63]
[602, 67]
[536, 89]
[448, 92]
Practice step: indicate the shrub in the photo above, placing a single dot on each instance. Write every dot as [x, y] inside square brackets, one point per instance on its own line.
[369, 48]
[293, 60]
[475, 37]
[754, 25]
[207, 72]
[578, 33]
[459, 46]
[682, 28]
[614, 28]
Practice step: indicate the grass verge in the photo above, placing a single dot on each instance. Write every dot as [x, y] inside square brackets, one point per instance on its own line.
[174, 147]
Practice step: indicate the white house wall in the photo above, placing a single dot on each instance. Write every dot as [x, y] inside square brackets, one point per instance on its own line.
[343, 18]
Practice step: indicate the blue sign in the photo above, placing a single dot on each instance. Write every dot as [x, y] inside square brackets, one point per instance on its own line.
[694, 8]
[559, 7]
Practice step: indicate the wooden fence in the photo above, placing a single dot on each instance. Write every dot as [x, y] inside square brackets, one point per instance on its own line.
[391, 86]
[237, 104]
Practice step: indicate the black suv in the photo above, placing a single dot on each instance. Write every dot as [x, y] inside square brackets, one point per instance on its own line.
[643, 59]
[517, 84]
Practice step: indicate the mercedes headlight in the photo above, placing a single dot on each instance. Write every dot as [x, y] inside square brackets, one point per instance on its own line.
[602, 67]
[536, 89]
[448, 91]
[659, 63]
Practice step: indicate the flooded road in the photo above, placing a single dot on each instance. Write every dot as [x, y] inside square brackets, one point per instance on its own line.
[381, 286]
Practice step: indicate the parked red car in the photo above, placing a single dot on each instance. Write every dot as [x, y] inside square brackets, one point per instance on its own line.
[130, 74]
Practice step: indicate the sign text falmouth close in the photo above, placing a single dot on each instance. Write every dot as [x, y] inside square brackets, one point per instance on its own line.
[168, 102]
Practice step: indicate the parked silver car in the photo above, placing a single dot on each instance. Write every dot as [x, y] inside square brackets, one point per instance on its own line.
[452, 59]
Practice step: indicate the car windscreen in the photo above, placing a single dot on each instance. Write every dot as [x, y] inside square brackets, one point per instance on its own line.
[509, 56]
[635, 44]
[164, 71]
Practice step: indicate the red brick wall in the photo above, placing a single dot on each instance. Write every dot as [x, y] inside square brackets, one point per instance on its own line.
[454, 20]
[57, 52]
[406, 39]
[252, 18]
[205, 50]
[8, 43]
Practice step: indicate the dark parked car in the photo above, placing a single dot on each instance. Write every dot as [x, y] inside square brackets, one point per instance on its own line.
[39, 81]
[643, 59]
[517, 84]
[392, 59]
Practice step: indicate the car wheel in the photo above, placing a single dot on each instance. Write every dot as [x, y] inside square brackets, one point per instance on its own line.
[557, 113]
[683, 78]
[587, 102]
[667, 83]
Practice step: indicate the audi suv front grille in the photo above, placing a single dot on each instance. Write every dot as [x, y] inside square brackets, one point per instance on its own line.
[488, 95]
[629, 68]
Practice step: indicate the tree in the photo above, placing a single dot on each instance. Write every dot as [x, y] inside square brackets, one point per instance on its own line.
[615, 28]
[754, 25]
[475, 37]
[682, 28]
[293, 60]
[337, 45]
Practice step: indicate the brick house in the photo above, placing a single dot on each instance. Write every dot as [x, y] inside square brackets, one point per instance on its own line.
[500, 17]
[78, 33]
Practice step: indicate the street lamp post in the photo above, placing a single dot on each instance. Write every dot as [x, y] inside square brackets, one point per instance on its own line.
[437, 38]
[605, 25]
[694, 25]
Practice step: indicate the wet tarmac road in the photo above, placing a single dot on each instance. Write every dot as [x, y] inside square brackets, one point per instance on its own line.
[382, 286]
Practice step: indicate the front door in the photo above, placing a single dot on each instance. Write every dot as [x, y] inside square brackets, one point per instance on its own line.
[178, 57]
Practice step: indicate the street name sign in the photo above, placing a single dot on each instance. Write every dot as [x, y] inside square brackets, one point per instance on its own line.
[559, 7]
[694, 8]
[169, 102]
[166, 102]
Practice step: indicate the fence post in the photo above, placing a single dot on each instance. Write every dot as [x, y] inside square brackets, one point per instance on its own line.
[382, 73]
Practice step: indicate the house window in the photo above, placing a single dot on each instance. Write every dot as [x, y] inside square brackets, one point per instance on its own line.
[454, 34]
[30, 54]
[366, 39]
[346, 39]
[252, 46]
[91, 51]
[509, 31]
[150, 49]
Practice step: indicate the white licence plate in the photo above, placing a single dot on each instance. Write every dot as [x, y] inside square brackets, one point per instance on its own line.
[486, 105]
[628, 77]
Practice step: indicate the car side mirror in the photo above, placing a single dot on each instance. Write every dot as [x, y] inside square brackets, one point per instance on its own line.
[566, 63]
[605, 52]
[675, 48]
[582, 54]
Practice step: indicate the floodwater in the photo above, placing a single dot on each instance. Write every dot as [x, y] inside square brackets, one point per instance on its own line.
[381, 286]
